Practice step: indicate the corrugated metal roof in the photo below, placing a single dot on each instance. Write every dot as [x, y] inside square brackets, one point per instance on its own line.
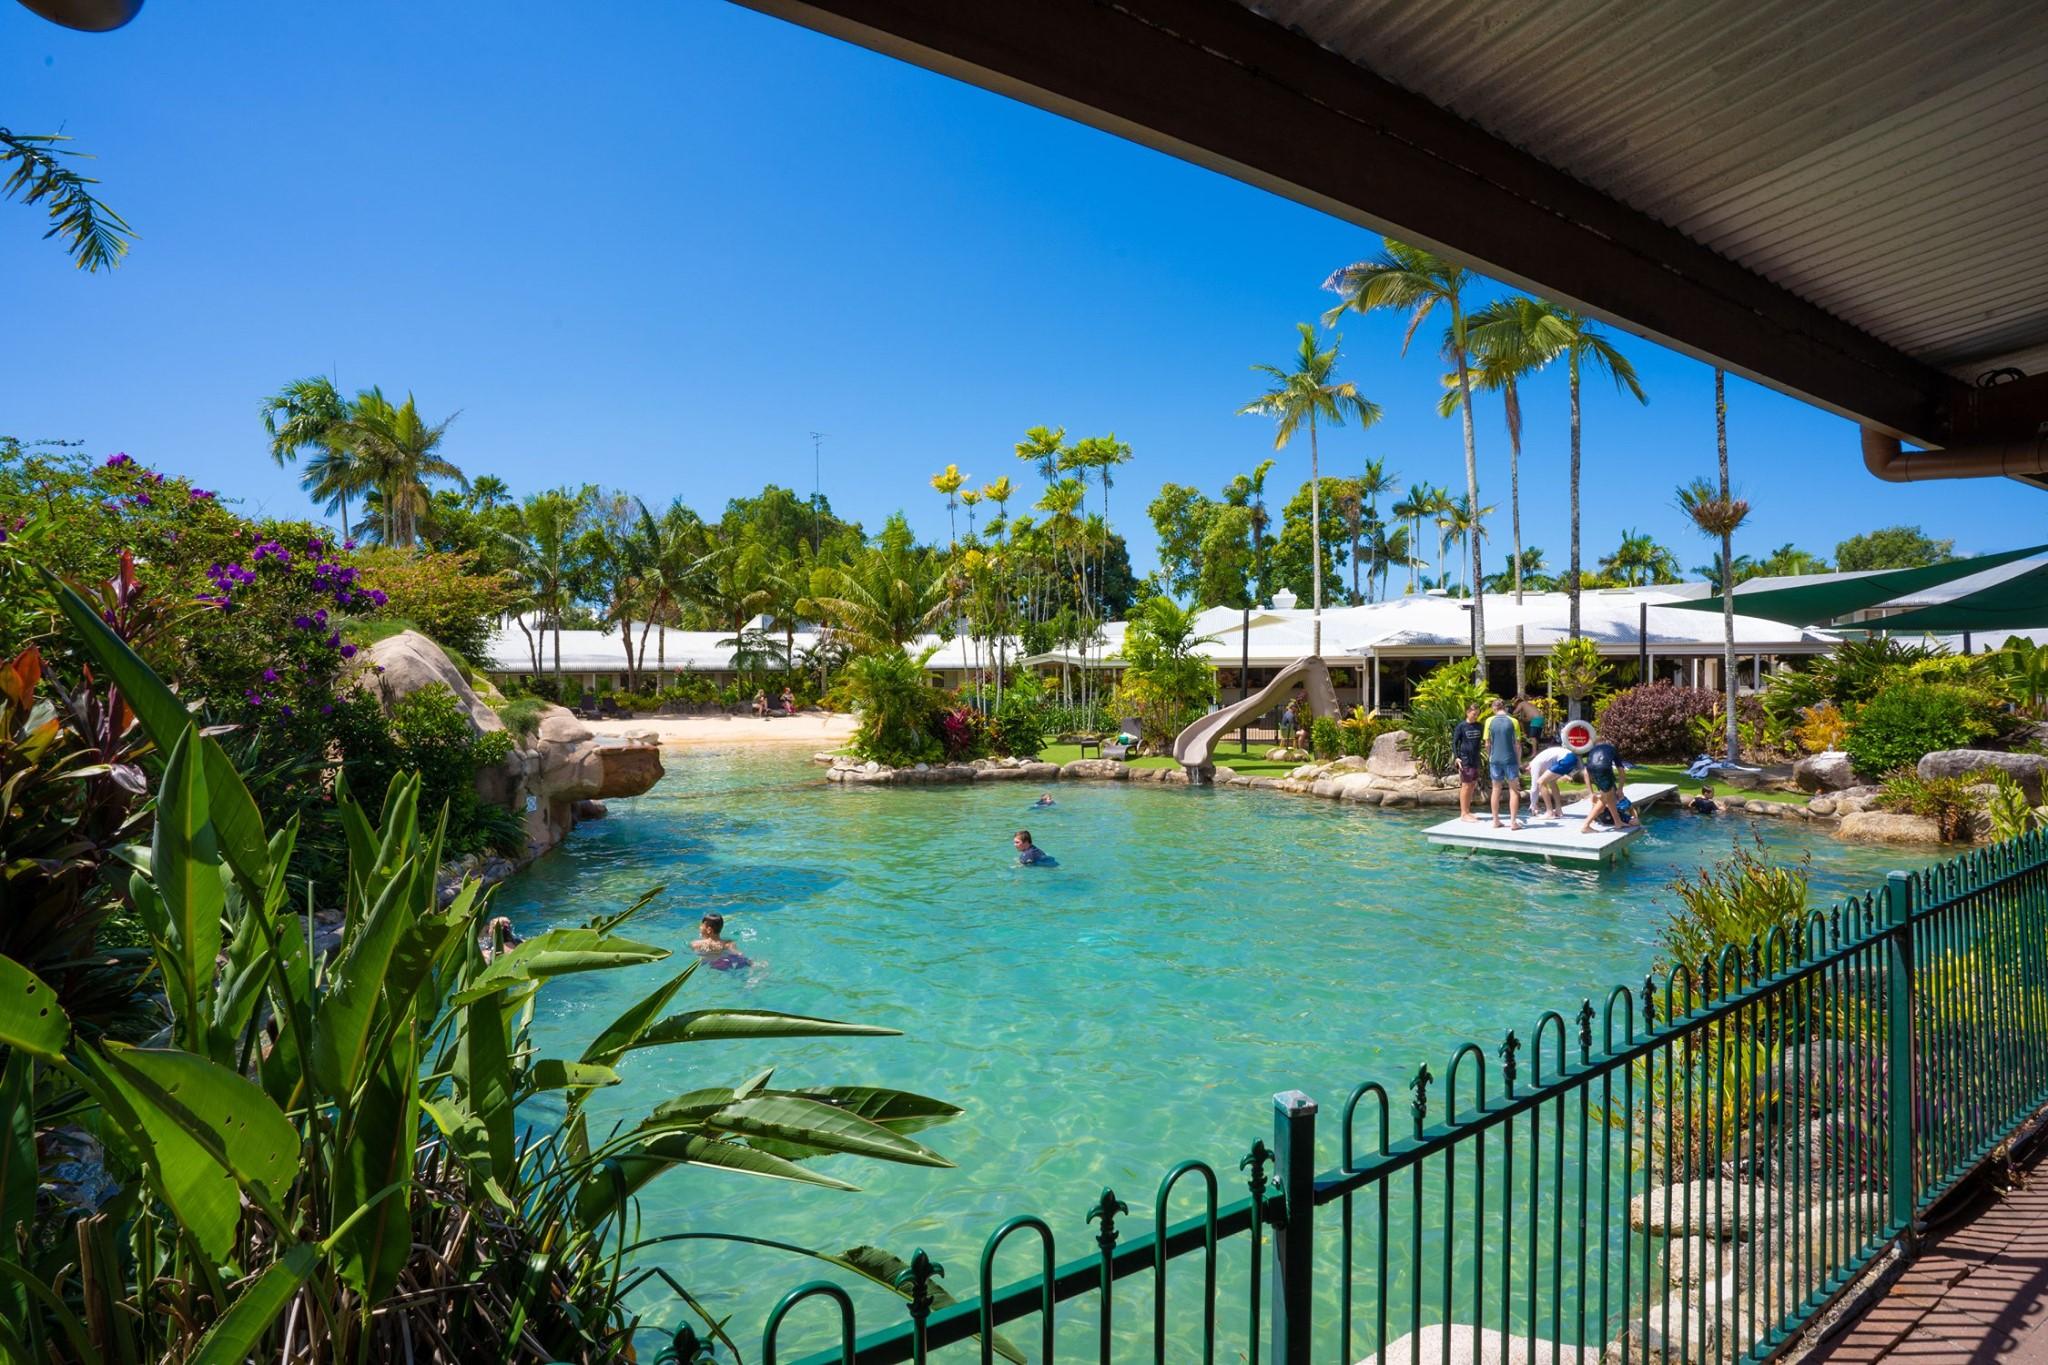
[1887, 162]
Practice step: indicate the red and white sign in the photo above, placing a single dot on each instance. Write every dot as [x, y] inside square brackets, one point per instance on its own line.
[1578, 735]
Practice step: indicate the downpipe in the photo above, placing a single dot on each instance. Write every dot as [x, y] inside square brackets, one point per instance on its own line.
[2013, 458]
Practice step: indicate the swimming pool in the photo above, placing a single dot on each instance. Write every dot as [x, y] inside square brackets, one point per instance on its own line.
[1194, 952]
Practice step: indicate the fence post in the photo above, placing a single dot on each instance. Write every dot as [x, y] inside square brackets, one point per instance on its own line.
[1899, 1073]
[1294, 1160]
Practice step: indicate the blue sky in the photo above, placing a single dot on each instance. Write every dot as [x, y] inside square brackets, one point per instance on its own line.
[655, 246]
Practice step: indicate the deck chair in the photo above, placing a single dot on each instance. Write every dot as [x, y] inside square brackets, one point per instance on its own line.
[1113, 748]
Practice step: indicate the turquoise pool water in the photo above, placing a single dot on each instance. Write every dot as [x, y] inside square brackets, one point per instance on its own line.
[1194, 952]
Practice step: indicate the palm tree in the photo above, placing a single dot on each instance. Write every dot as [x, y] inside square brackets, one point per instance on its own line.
[486, 492]
[1526, 568]
[676, 559]
[1312, 393]
[1744, 567]
[310, 414]
[969, 498]
[1438, 509]
[1390, 546]
[399, 453]
[1718, 512]
[949, 482]
[1639, 559]
[1414, 505]
[1000, 492]
[1351, 506]
[885, 596]
[1042, 446]
[1371, 484]
[1585, 346]
[1512, 339]
[1466, 526]
[548, 561]
[1408, 278]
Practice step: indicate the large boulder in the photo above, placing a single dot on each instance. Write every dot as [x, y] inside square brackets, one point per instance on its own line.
[1100, 769]
[1889, 827]
[1391, 756]
[1824, 772]
[2028, 770]
[399, 665]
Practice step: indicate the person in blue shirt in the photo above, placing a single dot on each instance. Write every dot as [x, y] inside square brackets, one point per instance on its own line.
[1603, 781]
[1030, 854]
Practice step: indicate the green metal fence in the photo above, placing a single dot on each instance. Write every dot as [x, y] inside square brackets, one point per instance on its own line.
[1690, 1171]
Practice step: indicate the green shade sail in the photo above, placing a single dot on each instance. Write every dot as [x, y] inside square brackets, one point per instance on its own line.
[1809, 604]
[2018, 603]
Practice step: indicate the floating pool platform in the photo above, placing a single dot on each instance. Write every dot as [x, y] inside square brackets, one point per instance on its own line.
[1551, 836]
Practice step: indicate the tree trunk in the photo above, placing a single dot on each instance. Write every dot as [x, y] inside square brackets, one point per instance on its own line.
[1727, 565]
[1315, 534]
[1515, 515]
[1472, 496]
[1574, 372]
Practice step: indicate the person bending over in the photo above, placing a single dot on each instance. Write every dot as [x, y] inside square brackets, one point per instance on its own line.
[1547, 772]
[1603, 783]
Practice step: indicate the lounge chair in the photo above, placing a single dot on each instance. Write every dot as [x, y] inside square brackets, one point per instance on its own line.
[1115, 748]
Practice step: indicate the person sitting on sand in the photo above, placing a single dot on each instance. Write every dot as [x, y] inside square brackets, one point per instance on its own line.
[714, 948]
[788, 701]
[1044, 800]
[1030, 854]
[1704, 803]
[760, 703]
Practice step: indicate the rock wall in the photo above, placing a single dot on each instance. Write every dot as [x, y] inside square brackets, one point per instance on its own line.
[547, 773]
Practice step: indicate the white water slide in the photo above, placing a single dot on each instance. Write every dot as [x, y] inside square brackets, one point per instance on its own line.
[1196, 746]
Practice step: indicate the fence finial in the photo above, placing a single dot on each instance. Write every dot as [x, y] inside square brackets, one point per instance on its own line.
[1585, 1031]
[919, 1275]
[1420, 1085]
[1649, 1004]
[1509, 1046]
[1107, 1208]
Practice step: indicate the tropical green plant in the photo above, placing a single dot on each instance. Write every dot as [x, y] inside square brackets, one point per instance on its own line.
[2024, 667]
[1311, 393]
[1892, 547]
[1440, 703]
[311, 415]
[94, 235]
[897, 708]
[1166, 682]
[1018, 727]
[1908, 719]
[1326, 738]
[448, 597]
[1739, 904]
[326, 1146]
[1951, 800]
[1574, 670]
[2012, 814]
[398, 451]
[1848, 676]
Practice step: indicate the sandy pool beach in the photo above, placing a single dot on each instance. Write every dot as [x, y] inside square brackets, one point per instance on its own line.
[819, 730]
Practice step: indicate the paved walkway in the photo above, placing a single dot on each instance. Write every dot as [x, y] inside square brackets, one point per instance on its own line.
[1978, 1294]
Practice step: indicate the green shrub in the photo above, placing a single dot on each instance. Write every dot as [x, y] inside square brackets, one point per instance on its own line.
[428, 732]
[1360, 730]
[522, 716]
[1018, 728]
[1165, 683]
[1440, 704]
[899, 709]
[2012, 815]
[1326, 738]
[632, 701]
[1906, 720]
[1951, 802]
[1739, 902]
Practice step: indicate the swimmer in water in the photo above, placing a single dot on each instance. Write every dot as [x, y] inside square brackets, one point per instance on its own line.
[714, 948]
[1044, 800]
[1030, 854]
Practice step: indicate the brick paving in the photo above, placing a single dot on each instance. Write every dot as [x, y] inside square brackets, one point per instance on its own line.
[1978, 1293]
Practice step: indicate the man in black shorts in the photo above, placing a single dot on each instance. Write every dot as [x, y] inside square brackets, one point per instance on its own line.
[1603, 783]
[1466, 739]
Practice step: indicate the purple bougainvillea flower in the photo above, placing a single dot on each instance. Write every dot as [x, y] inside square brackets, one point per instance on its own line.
[334, 640]
[270, 675]
[119, 459]
[253, 697]
[348, 545]
[321, 616]
[198, 494]
[378, 597]
[348, 651]
[313, 546]
[285, 711]
[302, 622]
[326, 709]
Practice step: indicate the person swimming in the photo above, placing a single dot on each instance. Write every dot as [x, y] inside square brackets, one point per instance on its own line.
[714, 949]
[1030, 854]
[1044, 800]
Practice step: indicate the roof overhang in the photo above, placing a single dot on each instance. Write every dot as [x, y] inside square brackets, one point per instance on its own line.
[1217, 84]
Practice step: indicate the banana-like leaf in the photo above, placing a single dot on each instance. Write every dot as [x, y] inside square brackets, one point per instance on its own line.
[558, 952]
[885, 1268]
[236, 821]
[624, 1032]
[464, 1133]
[606, 1189]
[31, 1020]
[778, 1116]
[235, 1337]
[185, 866]
[206, 1131]
[687, 1110]
[704, 1026]
[379, 1153]
[899, 1111]
[551, 1073]
[19, 1169]
[483, 1079]
[341, 1035]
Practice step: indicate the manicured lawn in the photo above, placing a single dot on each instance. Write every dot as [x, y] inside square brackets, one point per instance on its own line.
[1688, 786]
[1067, 753]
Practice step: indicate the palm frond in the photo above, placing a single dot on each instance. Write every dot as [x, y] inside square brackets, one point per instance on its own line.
[95, 236]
